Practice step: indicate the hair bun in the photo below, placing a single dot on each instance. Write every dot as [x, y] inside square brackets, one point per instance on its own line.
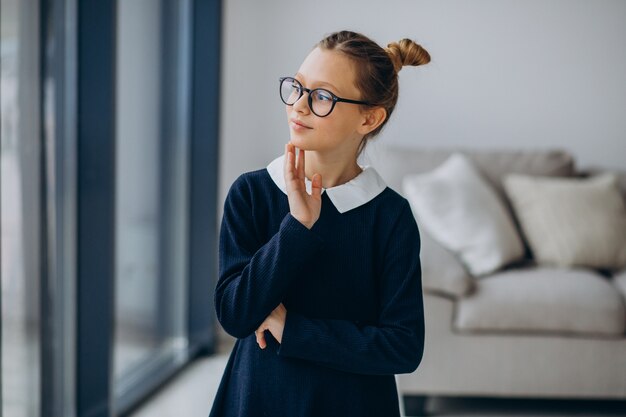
[407, 52]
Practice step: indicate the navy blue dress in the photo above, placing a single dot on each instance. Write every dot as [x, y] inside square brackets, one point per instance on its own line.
[352, 289]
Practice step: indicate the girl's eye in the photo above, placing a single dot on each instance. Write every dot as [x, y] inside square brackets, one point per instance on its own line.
[323, 96]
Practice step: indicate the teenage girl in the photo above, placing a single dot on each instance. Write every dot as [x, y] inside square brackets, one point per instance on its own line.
[319, 260]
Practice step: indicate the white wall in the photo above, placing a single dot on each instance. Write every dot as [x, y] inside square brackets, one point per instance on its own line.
[510, 74]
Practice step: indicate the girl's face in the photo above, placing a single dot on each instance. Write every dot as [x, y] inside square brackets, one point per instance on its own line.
[344, 126]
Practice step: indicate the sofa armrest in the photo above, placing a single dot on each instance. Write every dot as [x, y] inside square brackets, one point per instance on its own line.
[442, 273]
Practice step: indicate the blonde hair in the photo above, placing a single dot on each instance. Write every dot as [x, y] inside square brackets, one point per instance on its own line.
[406, 52]
[376, 68]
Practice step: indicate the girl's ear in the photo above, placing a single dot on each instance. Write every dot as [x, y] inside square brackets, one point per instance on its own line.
[373, 118]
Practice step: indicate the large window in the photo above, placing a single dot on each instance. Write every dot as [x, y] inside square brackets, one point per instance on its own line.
[108, 192]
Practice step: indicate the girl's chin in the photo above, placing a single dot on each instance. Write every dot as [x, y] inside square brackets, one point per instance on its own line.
[301, 143]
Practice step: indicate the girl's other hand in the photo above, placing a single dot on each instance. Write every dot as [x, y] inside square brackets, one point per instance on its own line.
[304, 207]
[275, 323]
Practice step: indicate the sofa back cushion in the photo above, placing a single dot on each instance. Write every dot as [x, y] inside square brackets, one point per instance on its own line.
[394, 162]
[620, 174]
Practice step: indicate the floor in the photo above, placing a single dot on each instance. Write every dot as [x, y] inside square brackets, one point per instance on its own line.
[191, 394]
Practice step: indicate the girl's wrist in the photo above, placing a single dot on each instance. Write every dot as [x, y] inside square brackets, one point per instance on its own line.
[305, 224]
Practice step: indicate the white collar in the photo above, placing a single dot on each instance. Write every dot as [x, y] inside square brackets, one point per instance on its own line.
[352, 194]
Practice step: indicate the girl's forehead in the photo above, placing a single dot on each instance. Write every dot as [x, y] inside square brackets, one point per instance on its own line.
[328, 69]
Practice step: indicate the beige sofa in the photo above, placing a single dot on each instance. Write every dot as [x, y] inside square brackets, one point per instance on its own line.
[560, 333]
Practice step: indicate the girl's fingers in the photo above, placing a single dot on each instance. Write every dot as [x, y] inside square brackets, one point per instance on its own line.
[290, 161]
[301, 164]
[316, 186]
[293, 171]
[260, 338]
[287, 159]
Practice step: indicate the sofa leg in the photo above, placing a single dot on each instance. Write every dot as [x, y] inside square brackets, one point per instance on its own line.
[415, 405]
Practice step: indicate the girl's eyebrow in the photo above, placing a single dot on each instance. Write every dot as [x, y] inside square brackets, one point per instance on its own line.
[319, 82]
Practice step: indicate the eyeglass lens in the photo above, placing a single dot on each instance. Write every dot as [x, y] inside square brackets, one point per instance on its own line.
[321, 100]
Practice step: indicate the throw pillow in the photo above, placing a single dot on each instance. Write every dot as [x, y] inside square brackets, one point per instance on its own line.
[571, 221]
[464, 214]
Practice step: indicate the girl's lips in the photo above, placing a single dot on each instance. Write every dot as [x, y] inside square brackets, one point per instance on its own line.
[299, 125]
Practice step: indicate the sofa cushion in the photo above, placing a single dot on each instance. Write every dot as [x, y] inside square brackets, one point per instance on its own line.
[571, 221]
[543, 299]
[462, 212]
[442, 273]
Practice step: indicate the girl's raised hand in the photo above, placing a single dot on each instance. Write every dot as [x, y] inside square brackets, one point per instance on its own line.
[303, 206]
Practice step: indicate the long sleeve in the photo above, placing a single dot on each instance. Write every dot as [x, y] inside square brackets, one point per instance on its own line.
[254, 276]
[393, 345]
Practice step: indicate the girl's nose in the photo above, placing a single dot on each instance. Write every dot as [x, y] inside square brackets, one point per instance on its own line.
[302, 104]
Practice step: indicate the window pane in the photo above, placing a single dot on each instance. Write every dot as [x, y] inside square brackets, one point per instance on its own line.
[150, 210]
[138, 192]
[20, 237]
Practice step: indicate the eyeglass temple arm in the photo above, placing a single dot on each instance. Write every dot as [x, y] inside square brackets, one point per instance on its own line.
[346, 100]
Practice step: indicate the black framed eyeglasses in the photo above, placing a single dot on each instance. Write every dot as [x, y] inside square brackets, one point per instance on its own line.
[321, 101]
